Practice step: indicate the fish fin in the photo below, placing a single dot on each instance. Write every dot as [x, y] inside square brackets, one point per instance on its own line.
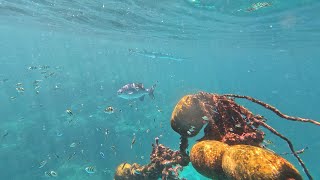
[141, 98]
[130, 92]
[151, 90]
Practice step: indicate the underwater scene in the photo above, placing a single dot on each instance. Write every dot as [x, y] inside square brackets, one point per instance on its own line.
[147, 90]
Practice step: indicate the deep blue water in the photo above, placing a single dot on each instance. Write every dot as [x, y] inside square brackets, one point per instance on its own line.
[271, 54]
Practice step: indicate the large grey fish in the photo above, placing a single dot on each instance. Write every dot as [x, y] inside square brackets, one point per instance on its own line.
[135, 91]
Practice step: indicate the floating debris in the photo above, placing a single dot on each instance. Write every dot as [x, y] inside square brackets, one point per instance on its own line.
[90, 169]
[51, 174]
[258, 5]
[109, 110]
[42, 163]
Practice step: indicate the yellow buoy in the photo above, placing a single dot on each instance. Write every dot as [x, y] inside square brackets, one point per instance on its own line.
[206, 158]
[243, 162]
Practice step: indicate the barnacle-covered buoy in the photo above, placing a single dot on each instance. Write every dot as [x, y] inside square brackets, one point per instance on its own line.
[243, 162]
[187, 116]
[206, 158]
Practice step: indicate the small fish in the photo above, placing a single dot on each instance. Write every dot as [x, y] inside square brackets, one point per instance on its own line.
[68, 111]
[71, 155]
[109, 110]
[51, 174]
[297, 152]
[90, 169]
[4, 80]
[258, 5]
[136, 172]
[5, 134]
[135, 91]
[20, 89]
[42, 163]
[102, 155]
[133, 141]
[268, 142]
[155, 55]
[72, 145]
[107, 132]
[44, 67]
[49, 75]
[205, 118]
[32, 67]
[59, 134]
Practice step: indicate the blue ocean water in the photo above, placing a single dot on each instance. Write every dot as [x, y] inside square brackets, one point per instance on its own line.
[75, 55]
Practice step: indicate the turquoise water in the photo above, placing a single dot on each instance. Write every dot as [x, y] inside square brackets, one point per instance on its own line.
[81, 51]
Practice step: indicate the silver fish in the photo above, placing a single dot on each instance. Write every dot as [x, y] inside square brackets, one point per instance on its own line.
[155, 55]
[135, 91]
[42, 163]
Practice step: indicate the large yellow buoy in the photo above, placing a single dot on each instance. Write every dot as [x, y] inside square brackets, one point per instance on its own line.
[206, 158]
[243, 162]
[187, 116]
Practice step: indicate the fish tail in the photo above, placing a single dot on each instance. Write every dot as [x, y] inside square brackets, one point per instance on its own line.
[151, 90]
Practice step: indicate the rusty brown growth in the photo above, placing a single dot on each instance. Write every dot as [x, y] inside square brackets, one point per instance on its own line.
[230, 122]
[164, 163]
